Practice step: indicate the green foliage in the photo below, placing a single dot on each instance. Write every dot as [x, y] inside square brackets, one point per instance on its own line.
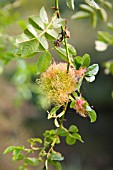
[6, 49]
[31, 161]
[9, 149]
[20, 152]
[92, 115]
[82, 61]
[104, 39]
[62, 53]
[7, 42]
[22, 79]
[36, 35]
[44, 61]
[16, 152]
[94, 10]
[55, 156]
[70, 3]
[80, 15]
[73, 128]
[92, 3]
[51, 137]
[108, 65]
[72, 135]
[53, 111]
[56, 164]
[92, 70]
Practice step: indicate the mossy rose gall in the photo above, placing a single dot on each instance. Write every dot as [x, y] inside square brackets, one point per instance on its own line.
[57, 84]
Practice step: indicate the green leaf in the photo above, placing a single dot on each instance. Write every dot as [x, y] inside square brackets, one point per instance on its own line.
[29, 48]
[36, 22]
[92, 3]
[73, 129]
[77, 62]
[58, 23]
[22, 24]
[77, 136]
[88, 108]
[43, 15]
[29, 34]
[56, 164]
[31, 161]
[110, 26]
[32, 30]
[18, 157]
[70, 140]
[19, 147]
[70, 4]
[51, 33]
[16, 149]
[111, 68]
[80, 15]
[56, 123]
[103, 14]
[75, 94]
[33, 141]
[87, 8]
[92, 115]
[105, 36]
[17, 153]
[61, 114]
[79, 83]
[94, 20]
[22, 38]
[72, 50]
[86, 60]
[9, 149]
[63, 132]
[90, 79]
[43, 41]
[62, 53]
[92, 70]
[52, 113]
[41, 48]
[58, 140]
[107, 4]
[72, 104]
[44, 61]
[56, 156]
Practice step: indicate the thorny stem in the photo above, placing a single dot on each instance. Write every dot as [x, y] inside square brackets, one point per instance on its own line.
[57, 8]
[67, 53]
[56, 136]
[56, 4]
[64, 36]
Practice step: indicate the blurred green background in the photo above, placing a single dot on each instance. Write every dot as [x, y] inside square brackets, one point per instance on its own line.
[21, 119]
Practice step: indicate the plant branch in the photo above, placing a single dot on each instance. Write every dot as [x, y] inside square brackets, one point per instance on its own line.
[63, 33]
[57, 134]
[57, 8]
[67, 53]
